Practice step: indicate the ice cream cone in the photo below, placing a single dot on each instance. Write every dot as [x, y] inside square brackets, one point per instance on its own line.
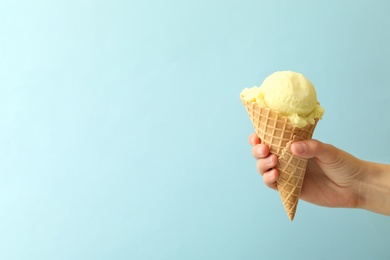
[278, 133]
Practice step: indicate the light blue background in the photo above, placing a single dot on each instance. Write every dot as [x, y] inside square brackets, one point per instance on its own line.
[123, 137]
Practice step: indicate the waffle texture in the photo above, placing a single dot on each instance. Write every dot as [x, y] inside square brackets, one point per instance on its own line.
[278, 134]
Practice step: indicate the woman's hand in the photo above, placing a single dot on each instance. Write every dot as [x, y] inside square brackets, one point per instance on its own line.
[333, 177]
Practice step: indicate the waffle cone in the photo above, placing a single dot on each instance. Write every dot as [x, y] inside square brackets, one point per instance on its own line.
[278, 134]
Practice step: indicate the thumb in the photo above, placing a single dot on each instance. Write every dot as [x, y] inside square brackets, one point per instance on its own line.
[325, 153]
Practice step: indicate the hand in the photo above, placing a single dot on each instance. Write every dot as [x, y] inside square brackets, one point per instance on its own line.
[332, 176]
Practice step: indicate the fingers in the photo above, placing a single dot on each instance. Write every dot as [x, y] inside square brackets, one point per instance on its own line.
[270, 177]
[266, 167]
[260, 151]
[254, 139]
[313, 148]
[267, 163]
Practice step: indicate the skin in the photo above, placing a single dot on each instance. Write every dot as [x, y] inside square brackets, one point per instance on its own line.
[334, 178]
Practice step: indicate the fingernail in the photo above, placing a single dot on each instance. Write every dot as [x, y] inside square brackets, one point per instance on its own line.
[300, 147]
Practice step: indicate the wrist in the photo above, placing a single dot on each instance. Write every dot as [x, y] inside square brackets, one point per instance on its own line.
[374, 188]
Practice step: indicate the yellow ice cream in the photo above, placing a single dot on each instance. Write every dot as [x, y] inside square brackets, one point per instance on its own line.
[289, 93]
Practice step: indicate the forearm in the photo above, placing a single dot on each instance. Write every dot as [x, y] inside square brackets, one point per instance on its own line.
[374, 188]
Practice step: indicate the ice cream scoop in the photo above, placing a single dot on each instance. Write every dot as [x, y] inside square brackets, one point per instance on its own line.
[288, 93]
